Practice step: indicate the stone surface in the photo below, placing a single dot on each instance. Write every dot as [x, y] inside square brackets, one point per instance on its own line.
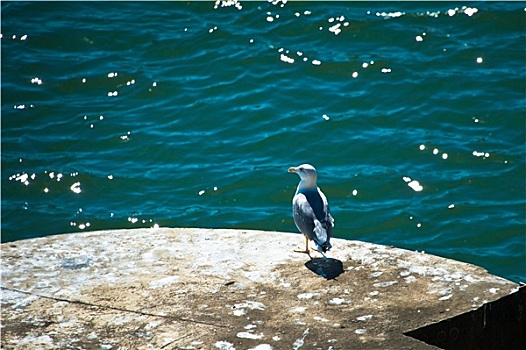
[227, 289]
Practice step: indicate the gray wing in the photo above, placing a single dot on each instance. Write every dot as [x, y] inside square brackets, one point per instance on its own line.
[311, 207]
[303, 215]
[329, 220]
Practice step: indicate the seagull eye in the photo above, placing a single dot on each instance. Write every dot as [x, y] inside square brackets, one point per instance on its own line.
[301, 168]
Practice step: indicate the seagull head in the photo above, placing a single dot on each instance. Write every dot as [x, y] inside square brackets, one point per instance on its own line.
[307, 174]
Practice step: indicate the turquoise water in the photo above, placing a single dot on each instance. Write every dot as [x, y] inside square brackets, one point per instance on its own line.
[134, 114]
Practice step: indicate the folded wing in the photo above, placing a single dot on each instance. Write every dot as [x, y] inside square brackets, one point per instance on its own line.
[313, 218]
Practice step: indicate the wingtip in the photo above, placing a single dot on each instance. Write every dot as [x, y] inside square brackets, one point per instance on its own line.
[325, 247]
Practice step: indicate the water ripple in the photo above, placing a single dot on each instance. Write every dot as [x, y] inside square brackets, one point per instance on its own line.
[182, 114]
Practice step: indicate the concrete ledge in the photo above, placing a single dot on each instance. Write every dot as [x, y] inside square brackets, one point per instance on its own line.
[172, 288]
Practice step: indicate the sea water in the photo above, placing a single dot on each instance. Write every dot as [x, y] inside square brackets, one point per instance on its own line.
[188, 114]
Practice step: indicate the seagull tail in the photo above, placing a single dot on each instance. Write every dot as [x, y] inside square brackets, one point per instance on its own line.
[320, 237]
[326, 246]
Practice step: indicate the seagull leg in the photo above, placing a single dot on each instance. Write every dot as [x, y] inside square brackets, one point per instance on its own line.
[306, 251]
[322, 253]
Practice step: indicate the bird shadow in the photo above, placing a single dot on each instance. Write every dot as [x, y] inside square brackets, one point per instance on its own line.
[327, 268]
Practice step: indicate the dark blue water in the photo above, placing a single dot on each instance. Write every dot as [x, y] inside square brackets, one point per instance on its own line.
[135, 114]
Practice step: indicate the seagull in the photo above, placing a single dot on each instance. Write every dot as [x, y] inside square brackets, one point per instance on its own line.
[311, 210]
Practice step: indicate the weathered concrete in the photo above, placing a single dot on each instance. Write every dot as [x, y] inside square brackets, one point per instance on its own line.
[224, 289]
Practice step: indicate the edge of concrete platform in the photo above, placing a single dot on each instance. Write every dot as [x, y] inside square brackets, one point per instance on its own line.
[193, 288]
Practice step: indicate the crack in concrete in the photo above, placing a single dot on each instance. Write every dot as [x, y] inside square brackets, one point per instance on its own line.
[115, 308]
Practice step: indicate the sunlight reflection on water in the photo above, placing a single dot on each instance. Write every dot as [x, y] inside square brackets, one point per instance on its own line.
[190, 118]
